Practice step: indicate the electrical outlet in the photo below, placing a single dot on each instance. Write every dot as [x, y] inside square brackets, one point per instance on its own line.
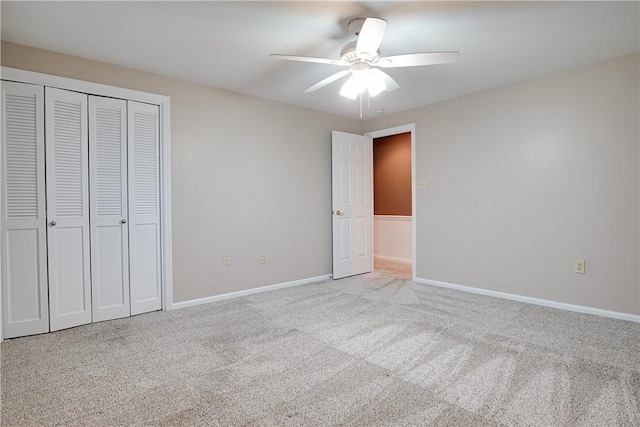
[264, 258]
[226, 260]
[579, 266]
[422, 184]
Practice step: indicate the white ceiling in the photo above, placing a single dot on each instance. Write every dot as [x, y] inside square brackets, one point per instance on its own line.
[226, 44]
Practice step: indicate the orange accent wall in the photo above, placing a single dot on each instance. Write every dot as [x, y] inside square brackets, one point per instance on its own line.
[392, 175]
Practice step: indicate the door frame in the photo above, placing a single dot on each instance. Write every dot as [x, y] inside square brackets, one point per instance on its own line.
[411, 128]
[164, 102]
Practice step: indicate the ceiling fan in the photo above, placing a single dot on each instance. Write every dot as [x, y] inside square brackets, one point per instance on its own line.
[363, 59]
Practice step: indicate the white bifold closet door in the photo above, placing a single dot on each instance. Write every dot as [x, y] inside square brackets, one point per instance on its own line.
[24, 258]
[67, 166]
[144, 206]
[108, 208]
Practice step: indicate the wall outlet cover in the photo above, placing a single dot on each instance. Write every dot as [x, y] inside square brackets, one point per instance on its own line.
[579, 266]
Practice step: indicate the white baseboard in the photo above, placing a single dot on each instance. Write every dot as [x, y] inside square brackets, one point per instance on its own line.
[260, 289]
[535, 301]
[388, 258]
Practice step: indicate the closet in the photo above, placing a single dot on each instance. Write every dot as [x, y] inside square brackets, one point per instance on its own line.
[81, 231]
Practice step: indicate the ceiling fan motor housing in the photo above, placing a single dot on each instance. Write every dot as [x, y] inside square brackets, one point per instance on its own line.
[348, 54]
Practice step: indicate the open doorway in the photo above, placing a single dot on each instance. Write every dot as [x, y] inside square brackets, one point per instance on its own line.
[352, 194]
[394, 201]
[392, 204]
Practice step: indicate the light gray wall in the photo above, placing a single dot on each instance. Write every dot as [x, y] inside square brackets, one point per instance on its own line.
[248, 176]
[252, 176]
[524, 179]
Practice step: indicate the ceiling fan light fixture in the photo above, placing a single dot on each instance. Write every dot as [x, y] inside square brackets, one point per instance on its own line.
[352, 87]
[361, 81]
[375, 85]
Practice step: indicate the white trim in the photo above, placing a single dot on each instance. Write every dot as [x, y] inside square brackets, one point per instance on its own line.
[258, 290]
[388, 258]
[535, 301]
[164, 102]
[1, 201]
[24, 76]
[411, 127]
[392, 218]
[165, 206]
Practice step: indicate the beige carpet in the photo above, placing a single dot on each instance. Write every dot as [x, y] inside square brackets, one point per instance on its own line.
[367, 351]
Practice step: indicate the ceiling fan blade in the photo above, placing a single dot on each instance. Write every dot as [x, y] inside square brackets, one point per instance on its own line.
[370, 36]
[308, 59]
[332, 78]
[417, 59]
[390, 84]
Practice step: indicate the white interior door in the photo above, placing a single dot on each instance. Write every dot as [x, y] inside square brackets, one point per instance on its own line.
[108, 208]
[352, 205]
[144, 206]
[67, 164]
[25, 308]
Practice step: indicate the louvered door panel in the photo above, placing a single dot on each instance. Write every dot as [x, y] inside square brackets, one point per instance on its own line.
[23, 251]
[144, 206]
[67, 185]
[108, 208]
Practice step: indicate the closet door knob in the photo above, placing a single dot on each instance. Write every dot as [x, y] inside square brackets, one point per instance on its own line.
[52, 224]
[123, 221]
